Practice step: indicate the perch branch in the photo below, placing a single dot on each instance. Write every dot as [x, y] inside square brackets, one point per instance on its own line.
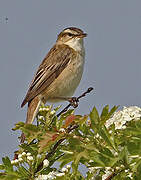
[75, 101]
[51, 153]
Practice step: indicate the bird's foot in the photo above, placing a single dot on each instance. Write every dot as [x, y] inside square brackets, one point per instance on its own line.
[73, 101]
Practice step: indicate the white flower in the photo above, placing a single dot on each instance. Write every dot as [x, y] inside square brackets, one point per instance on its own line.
[45, 163]
[41, 117]
[108, 168]
[117, 168]
[121, 117]
[124, 127]
[30, 158]
[28, 154]
[61, 130]
[24, 153]
[44, 109]
[60, 174]
[20, 155]
[107, 173]
[16, 161]
[87, 139]
[42, 177]
[110, 132]
[13, 162]
[64, 169]
[53, 112]
[40, 109]
[52, 175]
[74, 136]
[68, 166]
[47, 109]
[116, 154]
[130, 175]
[20, 159]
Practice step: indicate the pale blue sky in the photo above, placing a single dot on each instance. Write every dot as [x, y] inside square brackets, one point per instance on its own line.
[113, 53]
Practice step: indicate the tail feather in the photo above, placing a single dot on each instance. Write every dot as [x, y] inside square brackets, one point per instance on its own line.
[33, 107]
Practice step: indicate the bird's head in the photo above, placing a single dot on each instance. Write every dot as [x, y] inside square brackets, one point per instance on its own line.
[72, 37]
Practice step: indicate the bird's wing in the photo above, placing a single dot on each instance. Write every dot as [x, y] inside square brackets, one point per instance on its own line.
[53, 64]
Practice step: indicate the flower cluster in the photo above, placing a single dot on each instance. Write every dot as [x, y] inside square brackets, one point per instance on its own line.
[44, 109]
[27, 157]
[54, 174]
[47, 109]
[121, 117]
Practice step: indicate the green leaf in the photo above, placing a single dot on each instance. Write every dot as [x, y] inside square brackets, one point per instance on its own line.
[67, 158]
[2, 167]
[112, 111]
[107, 152]
[94, 116]
[7, 163]
[124, 156]
[66, 114]
[104, 112]
[95, 156]
[105, 115]
[23, 172]
[18, 126]
[103, 132]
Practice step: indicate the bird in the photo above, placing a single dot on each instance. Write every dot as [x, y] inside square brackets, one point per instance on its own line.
[59, 74]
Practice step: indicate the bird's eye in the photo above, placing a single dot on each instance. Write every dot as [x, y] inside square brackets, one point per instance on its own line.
[69, 34]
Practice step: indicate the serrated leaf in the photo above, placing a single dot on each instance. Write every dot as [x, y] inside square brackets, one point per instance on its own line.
[124, 155]
[18, 126]
[65, 159]
[66, 152]
[23, 172]
[2, 167]
[69, 120]
[29, 148]
[103, 132]
[134, 147]
[66, 114]
[48, 139]
[11, 176]
[106, 115]
[31, 128]
[113, 110]
[94, 116]
[95, 156]
[104, 112]
[7, 163]
[107, 152]
[74, 144]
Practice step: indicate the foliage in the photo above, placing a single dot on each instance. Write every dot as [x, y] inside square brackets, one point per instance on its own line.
[73, 141]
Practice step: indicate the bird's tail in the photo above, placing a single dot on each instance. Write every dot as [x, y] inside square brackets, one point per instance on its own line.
[33, 107]
[32, 110]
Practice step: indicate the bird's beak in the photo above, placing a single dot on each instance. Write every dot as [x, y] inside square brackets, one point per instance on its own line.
[82, 35]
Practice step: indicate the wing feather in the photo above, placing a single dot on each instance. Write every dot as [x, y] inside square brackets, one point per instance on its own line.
[53, 64]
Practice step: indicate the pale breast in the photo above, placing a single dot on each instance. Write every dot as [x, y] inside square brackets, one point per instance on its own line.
[67, 81]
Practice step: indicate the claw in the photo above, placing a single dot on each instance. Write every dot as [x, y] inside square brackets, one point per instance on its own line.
[74, 101]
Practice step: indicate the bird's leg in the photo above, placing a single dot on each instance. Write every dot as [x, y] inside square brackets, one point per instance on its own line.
[72, 100]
